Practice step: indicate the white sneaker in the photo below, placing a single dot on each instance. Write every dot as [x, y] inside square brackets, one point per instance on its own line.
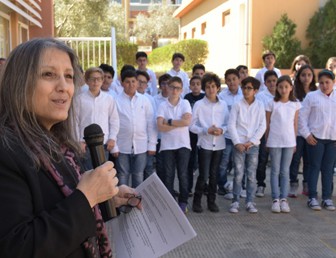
[328, 205]
[284, 206]
[260, 191]
[313, 204]
[276, 206]
[234, 207]
[250, 207]
[228, 196]
[243, 193]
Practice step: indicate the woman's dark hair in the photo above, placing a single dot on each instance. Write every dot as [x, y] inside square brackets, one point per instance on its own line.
[299, 91]
[285, 78]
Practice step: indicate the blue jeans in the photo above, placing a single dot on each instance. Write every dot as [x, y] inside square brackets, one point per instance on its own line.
[176, 159]
[246, 162]
[301, 151]
[280, 162]
[87, 161]
[208, 166]
[322, 158]
[133, 164]
[149, 169]
[223, 166]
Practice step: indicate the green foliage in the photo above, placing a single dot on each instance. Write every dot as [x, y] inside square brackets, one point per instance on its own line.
[126, 54]
[321, 33]
[282, 42]
[194, 50]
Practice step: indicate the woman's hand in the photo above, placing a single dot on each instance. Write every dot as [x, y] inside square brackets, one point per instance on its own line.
[100, 184]
[123, 195]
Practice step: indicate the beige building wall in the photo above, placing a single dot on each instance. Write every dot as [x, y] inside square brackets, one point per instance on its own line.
[234, 29]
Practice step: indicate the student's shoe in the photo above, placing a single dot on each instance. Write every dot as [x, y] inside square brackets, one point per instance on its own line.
[276, 206]
[228, 196]
[305, 188]
[284, 207]
[243, 193]
[293, 190]
[313, 204]
[250, 207]
[197, 207]
[212, 206]
[328, 205]
[234, 207]
[183, 207]
[260, 191]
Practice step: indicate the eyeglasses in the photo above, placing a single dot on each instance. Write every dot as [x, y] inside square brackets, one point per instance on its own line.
[174, 88]
[133, 201]
[96, 79]
[247, 88]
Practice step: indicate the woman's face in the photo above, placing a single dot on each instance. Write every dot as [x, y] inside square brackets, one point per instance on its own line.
[54, 88]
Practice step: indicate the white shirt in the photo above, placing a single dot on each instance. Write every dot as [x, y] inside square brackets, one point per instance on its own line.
[152, 83]
[101, 110]
[230, 99]
[185, 80]
[318, 115]
[117, 87]
[206, 114]
[179, 136]
[247, 123]
[265, 97]
[158, 99]
[152, 101]
[282, 131]
[260, 76]
[137, 132]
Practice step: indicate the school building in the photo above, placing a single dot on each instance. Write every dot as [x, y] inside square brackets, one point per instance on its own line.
[21, 20]
[234, 29]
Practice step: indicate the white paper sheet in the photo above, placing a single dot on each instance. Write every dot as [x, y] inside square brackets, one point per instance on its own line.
[155, 230]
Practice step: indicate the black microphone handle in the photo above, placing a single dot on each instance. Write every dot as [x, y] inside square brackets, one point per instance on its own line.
[107, 208]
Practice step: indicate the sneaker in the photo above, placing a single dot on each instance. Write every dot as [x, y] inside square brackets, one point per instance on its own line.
[250, 207]
[260, 191]
[183, 207]
[328, 205]
[243, 193]
[284, 207]
[234, 207]
[276, 206]
[313, 204]
[293, 190]
[228, 196]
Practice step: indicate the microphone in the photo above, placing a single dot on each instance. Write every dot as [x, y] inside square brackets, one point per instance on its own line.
[94, 138]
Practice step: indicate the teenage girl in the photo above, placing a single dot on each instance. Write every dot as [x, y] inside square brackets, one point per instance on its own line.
[282, 124]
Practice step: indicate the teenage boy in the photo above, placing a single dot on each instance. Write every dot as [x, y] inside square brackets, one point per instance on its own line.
[269, 61]
[96, 106]
[198, 70]
[243, 71]
[177, 61]
[173, 120]
[230, 95]
[192, 97]
[137, 135]
[209, 121]
[247, 124]
[158, 99]
[108, 79]
[117, 86]
[270, 78]
[142, 61]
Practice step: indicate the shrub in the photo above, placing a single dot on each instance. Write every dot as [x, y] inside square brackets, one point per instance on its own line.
[126, 54]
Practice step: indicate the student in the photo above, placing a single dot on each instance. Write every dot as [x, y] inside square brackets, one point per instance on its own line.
[137, 135]
[117, 86]
[317, 125]
[269, 61]
[304, 82]
[270, 78]
[192, 97]
[173, 120]
[230, 95]
[96, 106]
[246, 126]
[177, 61]
[298, 61]
[282, 126]
[142, 61]
[158, 99]
[243, 71]
[108, 79]
[198, 70]
[209, 121]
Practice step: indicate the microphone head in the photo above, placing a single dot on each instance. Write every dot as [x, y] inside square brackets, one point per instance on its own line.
[93, 135]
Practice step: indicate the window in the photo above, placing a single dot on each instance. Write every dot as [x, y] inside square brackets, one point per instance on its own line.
[203, 28]
[225, 18]
[193, 33]
[23, 32]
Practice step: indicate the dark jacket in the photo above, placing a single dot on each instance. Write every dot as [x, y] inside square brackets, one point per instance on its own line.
[36, 219]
